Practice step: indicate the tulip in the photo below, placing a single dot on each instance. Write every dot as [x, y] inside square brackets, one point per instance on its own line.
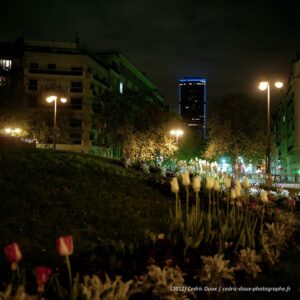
[233, 194]
[64, 245]
[174, 185]
[209, 182]
[185, 179]
[264, 196]
[277, 210]
[42, 275]
[246, 183]
[13, 254]
[293, 202]
[238, 185]
[216, 185]
[197, 184]
[161, 236]
[237, 191]
[227, 182]
[253, 205]
[239, 203]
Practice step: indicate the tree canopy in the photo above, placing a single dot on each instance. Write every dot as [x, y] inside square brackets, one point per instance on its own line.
[237, 127]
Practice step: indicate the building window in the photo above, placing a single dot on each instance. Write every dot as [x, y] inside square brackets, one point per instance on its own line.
[34, 65]
[33, 85]
[75, 123]
[5, 64]
[75, 138]
[76, 103]
[76, 87]
[51, 66]
[121, 87]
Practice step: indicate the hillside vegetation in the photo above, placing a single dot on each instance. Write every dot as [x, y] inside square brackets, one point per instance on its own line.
[47, 194]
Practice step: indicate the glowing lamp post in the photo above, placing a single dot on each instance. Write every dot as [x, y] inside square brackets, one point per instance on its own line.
[53, 99]
[13, 131]
[265, 85]
[177, 133]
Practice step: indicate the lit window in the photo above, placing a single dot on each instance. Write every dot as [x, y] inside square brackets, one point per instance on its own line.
[5, 64]
[121, 88]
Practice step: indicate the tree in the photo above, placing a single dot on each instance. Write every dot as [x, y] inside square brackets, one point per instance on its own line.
[237, 127]
[14, 112]
[136, 123]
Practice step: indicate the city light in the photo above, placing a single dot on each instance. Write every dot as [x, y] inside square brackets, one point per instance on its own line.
[263, 85]
[279, 84]
[177, 133]
[51, 99]
[13, 131]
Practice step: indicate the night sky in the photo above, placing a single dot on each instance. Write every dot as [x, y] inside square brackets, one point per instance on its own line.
[231, 43]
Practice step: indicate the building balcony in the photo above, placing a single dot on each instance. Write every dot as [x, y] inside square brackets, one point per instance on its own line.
[56, 72]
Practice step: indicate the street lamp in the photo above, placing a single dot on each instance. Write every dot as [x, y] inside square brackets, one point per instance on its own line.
[12, 131]
[177, 133]
[51, 99]
[265, 85]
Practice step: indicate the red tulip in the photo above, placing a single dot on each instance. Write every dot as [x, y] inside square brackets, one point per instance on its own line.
[277, 210]
[253, 205]
[42, 275]
[64, 245]
[292, 202]
[13, 254]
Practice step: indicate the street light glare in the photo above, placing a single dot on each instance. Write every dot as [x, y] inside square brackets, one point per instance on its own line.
[18, 130]
[263, 85]
[8, 130]
[51, 99]
[279, 84]
[63, 100]
[177, 132]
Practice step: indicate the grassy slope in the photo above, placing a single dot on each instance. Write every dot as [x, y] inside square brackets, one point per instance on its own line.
[46, 194]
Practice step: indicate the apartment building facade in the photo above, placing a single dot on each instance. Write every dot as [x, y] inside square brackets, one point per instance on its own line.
[287, 128]
[67, 70]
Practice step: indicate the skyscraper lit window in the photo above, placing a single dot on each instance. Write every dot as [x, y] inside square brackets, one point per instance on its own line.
[192, 103]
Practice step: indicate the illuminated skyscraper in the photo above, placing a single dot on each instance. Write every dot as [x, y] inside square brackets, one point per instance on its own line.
[192, 104]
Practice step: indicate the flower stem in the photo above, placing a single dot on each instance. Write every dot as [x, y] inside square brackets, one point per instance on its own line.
[69, 271]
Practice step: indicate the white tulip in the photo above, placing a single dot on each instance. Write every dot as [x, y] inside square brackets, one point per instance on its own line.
[209, 182]
[216, 185]
[264, 196]
[186, 179]
[233, 194]
[227, 182]
[174, 185]
[197, 184]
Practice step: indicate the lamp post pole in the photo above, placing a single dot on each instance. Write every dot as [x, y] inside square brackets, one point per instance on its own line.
[265, 85]
[177, 133]
[268, 156]
[54, 99]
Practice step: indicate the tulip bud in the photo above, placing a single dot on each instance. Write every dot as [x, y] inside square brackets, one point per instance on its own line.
[186, 179]
[174, 185]
[292, 202]
[227, 182]
[64, 245]
[246, 183]
[209, 182]
[237, 192]
[13, 254]
[216, 185]
[197, 184]
[233, 194]
[264, 196]
[42, 275]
